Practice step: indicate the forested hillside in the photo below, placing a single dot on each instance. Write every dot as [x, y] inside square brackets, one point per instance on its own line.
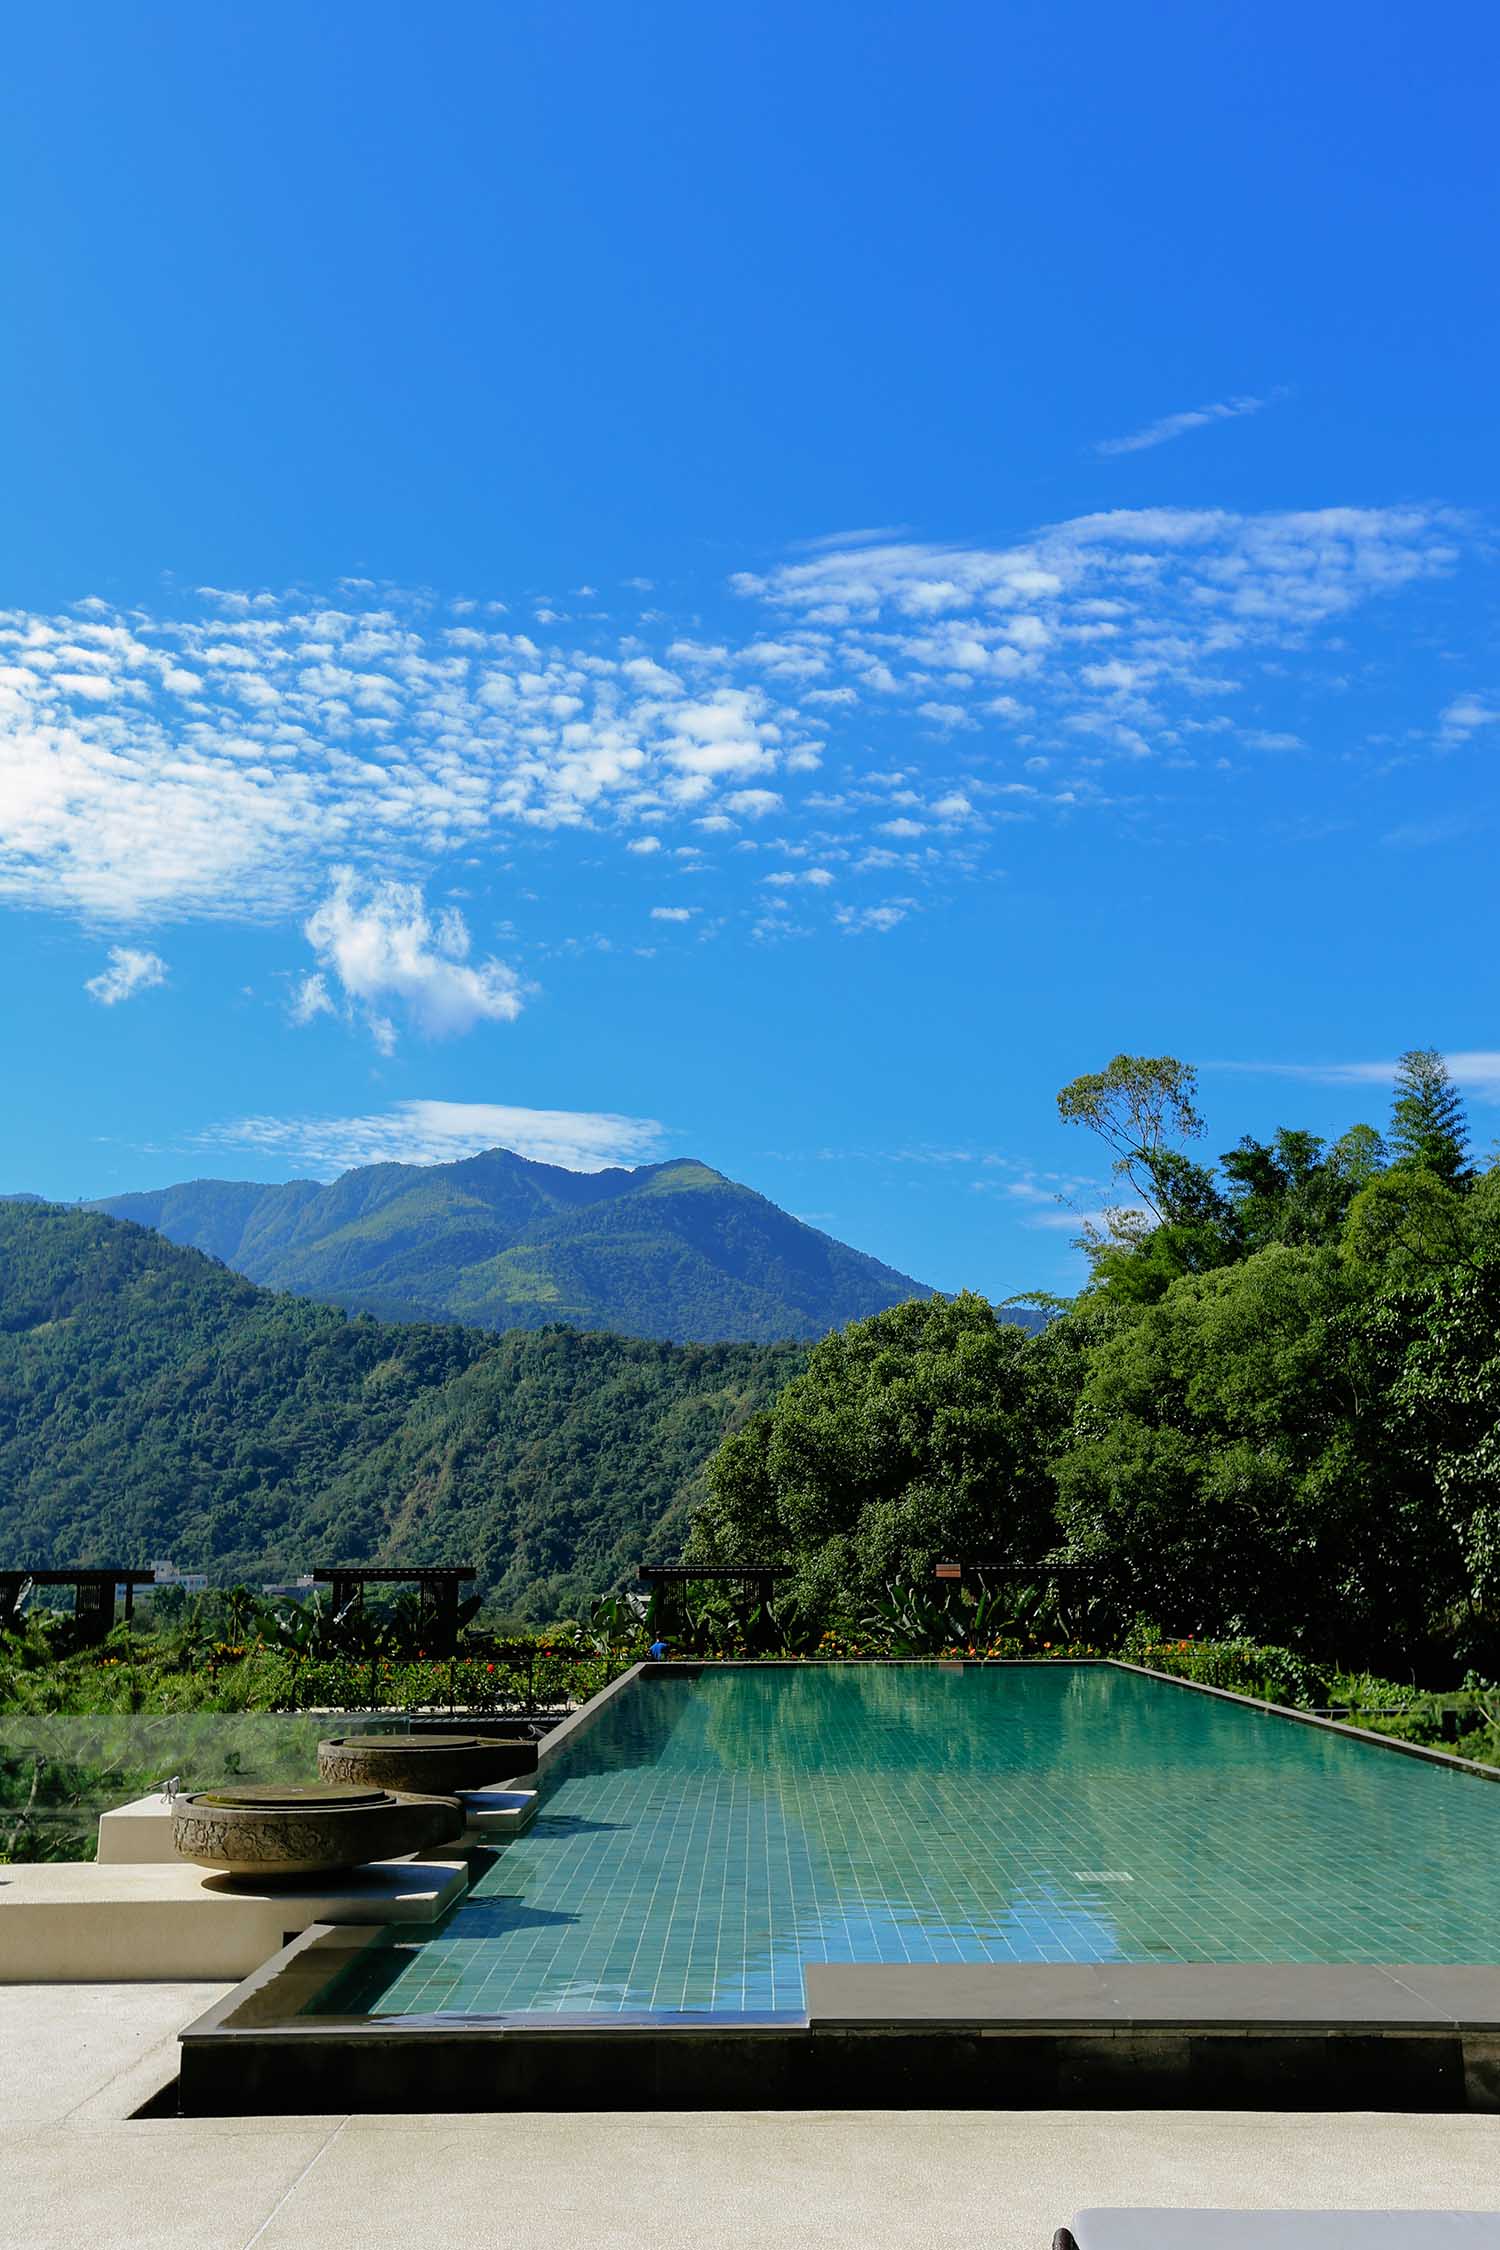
[152, 1403]
[1273, 1411]
[673, 1251]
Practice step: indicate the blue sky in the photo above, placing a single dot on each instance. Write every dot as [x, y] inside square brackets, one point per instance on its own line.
[769, 584]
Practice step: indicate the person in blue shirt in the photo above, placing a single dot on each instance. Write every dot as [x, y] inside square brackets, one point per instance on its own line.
[657, 1651]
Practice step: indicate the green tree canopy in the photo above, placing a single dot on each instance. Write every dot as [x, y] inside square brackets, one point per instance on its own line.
[921, 1433]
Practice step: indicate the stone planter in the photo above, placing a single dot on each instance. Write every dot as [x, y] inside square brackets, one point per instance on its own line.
[278, 1833]
[440, 1764]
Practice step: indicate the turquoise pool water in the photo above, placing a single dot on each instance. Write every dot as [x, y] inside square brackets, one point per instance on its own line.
[706, 1837]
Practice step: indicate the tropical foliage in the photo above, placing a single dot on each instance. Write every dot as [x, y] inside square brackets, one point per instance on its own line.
[1273, 1414]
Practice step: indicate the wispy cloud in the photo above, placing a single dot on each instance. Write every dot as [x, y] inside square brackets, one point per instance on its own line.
[130, 969]
[380, 947]
[1476, 1070]
[864, 538]
[437, 1132]
[1178, 425]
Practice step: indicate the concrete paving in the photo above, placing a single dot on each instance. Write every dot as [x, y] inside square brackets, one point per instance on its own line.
[75, 1921]
[90, 2050]
[76, 2173]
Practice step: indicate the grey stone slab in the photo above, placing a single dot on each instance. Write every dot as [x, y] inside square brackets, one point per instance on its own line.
[1312, 1995]
[1467, 1994]
[1122, 1995]
[1287, 2230]
[850, 1995]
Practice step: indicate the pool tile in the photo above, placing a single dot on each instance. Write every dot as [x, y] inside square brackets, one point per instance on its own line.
[706, 1838]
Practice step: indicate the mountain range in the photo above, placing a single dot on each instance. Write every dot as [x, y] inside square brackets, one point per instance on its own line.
[674, 1252]
[152, 1403]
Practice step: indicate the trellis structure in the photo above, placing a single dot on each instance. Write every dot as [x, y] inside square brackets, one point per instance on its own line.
[437, 1595]
[94, 1596]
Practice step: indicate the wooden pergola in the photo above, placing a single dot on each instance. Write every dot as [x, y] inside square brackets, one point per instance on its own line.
[762, 1576]
[437, 1594]
[93, 1596]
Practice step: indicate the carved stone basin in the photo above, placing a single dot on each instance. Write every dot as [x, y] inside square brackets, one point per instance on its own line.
[440, 1763]
[275, 1833]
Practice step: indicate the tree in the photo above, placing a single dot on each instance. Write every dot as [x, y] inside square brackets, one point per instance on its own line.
[1139, 1106]
[921, 1433]
[1407, 1225]
[1429, 1125]
[1230, 1469]
[1294, 1189]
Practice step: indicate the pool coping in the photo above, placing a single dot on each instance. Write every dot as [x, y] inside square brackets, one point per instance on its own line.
[1472, 1766]
[1278, 2034]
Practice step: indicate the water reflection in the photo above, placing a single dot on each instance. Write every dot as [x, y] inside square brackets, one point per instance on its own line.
[708, 1837]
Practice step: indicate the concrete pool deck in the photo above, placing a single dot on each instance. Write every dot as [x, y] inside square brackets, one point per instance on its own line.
[77, 2172]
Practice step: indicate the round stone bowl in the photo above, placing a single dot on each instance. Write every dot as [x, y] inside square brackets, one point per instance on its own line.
[276, 1833]
[440, 1764]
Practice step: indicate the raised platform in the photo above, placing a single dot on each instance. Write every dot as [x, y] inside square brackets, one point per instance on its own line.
[140, 1834]
[494, 1815]
[71, 1922]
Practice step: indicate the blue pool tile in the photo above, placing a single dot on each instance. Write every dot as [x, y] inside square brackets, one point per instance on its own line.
[705, 1839]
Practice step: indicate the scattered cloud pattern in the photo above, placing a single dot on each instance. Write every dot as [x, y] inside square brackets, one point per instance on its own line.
[272, 757]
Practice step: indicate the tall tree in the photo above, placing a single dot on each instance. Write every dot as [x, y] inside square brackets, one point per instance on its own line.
[1429, 1125]
[1139, 1106]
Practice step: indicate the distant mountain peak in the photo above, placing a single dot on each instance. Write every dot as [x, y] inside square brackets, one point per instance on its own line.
[674, 1251]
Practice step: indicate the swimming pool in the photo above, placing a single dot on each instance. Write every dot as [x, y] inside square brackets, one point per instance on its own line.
[707, 1836]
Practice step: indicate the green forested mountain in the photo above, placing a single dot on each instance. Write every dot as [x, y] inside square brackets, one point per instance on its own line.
[673, 1251]
[153, 1404]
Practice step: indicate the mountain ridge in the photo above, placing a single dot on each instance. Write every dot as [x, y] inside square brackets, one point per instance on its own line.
[153, 1402]
[673, 1252]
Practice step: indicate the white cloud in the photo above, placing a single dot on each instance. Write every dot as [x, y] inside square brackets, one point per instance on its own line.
[856, 920]
[644, 844]
[818, 878]
[753, 804]
[381, 946]
[1177, 425]
[312, 998]
[673, 913]
[1476, 1070]
[1465, 715]
[438, 1132]
[729, 732]
[130, 970]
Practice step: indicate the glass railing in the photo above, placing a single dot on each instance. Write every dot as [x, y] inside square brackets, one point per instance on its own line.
[58, 1774]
